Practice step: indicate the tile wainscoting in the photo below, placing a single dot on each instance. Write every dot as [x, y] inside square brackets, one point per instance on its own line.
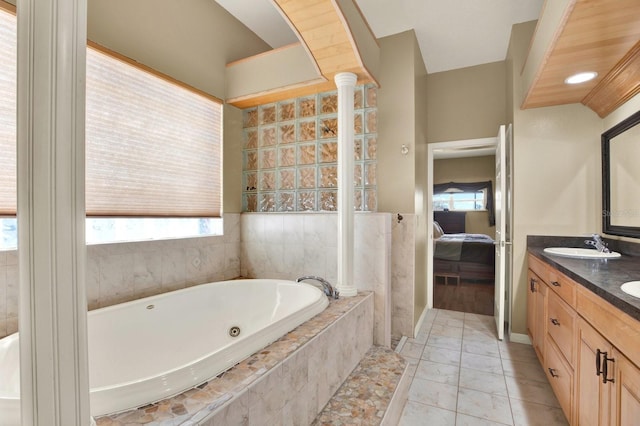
[121, 272]
[290, 245]
[255, 245]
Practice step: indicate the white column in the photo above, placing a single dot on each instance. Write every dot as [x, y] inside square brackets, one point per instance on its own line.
[51, 246]
[346, 82]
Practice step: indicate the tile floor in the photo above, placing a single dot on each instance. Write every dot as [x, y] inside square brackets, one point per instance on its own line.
[463, 375]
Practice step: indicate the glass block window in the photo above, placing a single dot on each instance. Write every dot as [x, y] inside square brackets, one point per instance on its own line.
[290, 153]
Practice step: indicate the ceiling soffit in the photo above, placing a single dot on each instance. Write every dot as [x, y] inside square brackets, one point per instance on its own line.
[601, 36]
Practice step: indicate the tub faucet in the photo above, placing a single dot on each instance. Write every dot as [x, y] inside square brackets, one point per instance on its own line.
[326, 287]
[597, 242]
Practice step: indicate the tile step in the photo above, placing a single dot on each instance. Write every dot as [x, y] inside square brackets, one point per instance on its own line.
[374, 393]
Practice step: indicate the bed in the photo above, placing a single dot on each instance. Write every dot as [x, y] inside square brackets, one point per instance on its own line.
[467, 256]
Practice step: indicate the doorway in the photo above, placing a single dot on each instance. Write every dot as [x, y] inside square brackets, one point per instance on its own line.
[466, 283]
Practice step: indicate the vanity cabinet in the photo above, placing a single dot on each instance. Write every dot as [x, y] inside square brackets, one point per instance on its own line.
[590, 350]
[593, 397]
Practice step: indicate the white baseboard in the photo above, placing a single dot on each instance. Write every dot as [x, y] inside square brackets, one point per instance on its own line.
[519, 338]
[423, 315]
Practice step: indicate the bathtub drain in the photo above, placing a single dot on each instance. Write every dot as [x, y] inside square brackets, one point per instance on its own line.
[234, 331]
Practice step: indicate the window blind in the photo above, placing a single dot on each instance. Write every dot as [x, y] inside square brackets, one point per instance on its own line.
[8, 95]
[153, 145]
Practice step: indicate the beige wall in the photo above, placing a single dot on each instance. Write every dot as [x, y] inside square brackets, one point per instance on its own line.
[467, 103]
[556, 172]
[402, 112]
[396, 124]
[192, 44]
[471, 169]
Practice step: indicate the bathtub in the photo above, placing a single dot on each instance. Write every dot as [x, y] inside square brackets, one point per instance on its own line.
[149, 349]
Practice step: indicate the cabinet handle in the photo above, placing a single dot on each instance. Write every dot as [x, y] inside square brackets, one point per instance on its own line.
[605, 369]
[598, 354]
[552, 371]
[554, 321]
[555, 283]
[532, 285]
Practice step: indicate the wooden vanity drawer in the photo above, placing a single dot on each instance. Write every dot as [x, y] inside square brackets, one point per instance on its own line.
[539, 267]
[561, 324]
[560, 376]
[563, 286]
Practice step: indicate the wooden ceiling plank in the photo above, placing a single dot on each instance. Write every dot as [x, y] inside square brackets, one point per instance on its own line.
[595, 36]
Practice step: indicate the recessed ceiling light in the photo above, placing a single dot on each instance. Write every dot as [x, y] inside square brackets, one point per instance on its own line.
[581, 77]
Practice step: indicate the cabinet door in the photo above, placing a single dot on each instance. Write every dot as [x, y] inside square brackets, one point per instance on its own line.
[626, 402]
[593, 397]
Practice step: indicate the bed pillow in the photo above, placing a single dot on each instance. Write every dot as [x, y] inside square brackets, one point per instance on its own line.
[437, 230]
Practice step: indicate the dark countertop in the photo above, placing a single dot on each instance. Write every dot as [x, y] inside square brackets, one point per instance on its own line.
[602, 276]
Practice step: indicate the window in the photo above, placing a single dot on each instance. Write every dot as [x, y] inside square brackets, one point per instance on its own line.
[472, 200]
[153, 149]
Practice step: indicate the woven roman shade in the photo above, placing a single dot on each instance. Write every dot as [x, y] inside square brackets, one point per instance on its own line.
[153, 144]
[153, 147]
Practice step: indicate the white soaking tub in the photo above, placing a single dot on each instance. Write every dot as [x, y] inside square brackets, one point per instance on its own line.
[153, 348]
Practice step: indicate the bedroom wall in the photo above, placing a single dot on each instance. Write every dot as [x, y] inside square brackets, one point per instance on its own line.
[472, 169]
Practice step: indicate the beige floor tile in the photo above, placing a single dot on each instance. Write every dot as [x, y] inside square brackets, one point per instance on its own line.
[446, 330]
[441, 373]
[531, 391]
[483, 381]
[441, 355]
[433, 393]
[452, 343]
[412, 349]
[475, 380]
[450, 314]
[524, 370]
[417, 414]
[464, 420]
[531, 414]
[481, 347]
[485, 406]
[517, 352]
[449, 322]
[478, 332]
[481, 362]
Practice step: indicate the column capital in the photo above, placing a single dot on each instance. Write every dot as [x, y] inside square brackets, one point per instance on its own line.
[345, 79]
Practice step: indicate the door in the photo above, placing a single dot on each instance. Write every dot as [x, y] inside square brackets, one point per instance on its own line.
[501, 234]
[593, 396]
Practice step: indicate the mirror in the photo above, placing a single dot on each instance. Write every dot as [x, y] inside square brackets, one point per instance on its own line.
[621, 178]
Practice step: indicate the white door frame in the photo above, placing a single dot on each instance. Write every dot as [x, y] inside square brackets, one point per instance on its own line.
[431, 150]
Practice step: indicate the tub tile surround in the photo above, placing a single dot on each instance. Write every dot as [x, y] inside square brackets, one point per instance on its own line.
[121, 272]
[288, 382]
[290, 245]
[366, 396]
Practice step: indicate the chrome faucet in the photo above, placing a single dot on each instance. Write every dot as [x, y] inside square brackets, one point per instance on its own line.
[597, 242]
[326, 286]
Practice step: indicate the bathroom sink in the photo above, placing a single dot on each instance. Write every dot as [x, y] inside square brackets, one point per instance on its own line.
[632, 288]
[580, 253]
